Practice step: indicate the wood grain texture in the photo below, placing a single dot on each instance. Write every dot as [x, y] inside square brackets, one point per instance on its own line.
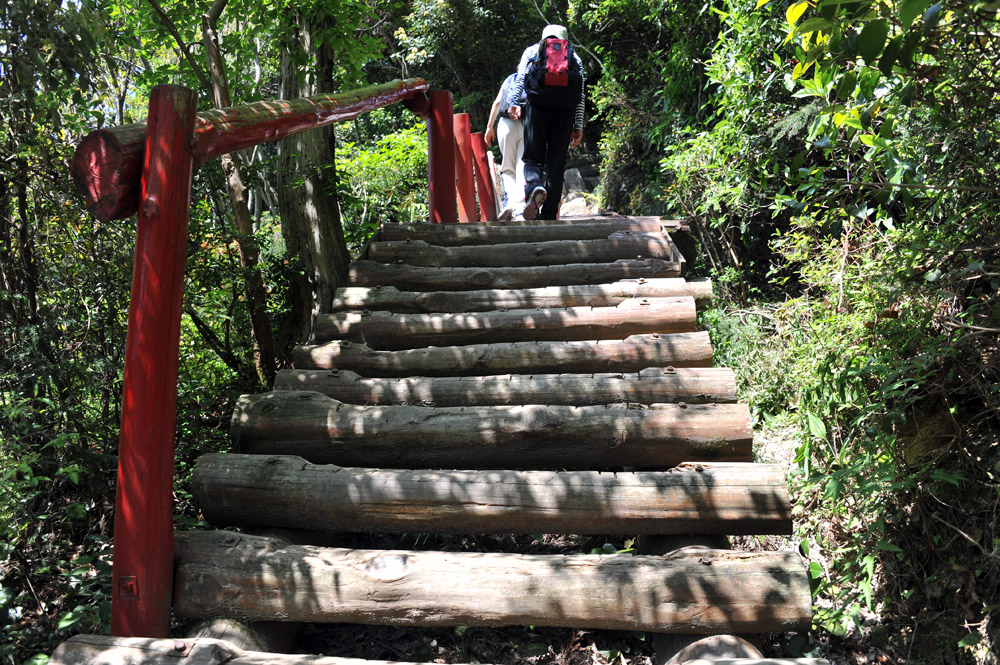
[694, 385]
[619, 245]
[326, 431]
[489, 234]
[287, 491]
[107, 163]
[389, 298]
[705, 591]
[422, 278]
[629, 355]
[391, 330]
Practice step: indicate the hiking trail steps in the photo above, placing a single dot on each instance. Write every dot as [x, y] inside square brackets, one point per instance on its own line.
[543, 377]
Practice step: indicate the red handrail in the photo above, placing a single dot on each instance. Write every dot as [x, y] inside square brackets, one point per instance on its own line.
[146, 168]
[108, 162]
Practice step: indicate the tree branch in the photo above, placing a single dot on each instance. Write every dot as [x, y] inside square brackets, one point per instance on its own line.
[185, 51]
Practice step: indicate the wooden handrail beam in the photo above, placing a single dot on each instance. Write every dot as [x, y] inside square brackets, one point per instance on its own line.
[108, 162]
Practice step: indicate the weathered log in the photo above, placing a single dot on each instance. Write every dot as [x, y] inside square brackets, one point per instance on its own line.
[619, 245]
[423, 278]
[389, 330]
[671, 225]
[108, 162]
[389, 298]
[630, 355]
[256, 490]
[648, 386]
[487, 234]
[701, 592]
[110, 650]
[325, 431]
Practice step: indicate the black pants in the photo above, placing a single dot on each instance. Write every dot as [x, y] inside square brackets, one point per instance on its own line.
[547, 133]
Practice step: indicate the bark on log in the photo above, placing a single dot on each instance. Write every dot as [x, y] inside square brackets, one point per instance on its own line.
[325, 431]
[630, 355]
[422, 278]
[389, 330]
[620, 245]
[108, 162]
[649, 386]
[390, 298]
[671, 225]
[488, 234]
[110, 650]
[256, 490]
[701, 592]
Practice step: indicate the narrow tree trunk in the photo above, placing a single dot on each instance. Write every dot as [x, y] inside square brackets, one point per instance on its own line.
[263, 342]
[310, 215]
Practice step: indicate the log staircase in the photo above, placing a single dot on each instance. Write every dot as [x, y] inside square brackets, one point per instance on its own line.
[525, 377]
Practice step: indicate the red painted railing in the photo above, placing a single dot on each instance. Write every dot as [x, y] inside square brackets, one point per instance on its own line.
[146, 169]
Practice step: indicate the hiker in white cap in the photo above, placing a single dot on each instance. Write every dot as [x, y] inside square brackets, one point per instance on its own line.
[550, 76]
[510, 137]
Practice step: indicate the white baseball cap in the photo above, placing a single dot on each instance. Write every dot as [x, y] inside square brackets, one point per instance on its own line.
[554, 30]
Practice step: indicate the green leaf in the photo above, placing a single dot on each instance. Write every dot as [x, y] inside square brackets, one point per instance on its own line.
[815, 570]
[816, 426]
[909, 10]
[812, 25]
[795, 12]
[931, 17]
[872, 39]
[75, 511]
[834, 486]
[890, 54]
[910, 45]
[970, 640]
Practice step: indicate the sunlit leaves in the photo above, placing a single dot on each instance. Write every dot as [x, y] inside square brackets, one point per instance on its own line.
[872, 39]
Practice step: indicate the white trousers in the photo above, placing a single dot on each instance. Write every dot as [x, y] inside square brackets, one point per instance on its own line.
[510, 137]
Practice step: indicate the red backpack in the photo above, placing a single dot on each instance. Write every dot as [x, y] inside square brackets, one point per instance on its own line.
[554, 78]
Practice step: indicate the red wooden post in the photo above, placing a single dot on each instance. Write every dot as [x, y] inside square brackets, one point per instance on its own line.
[441, 159]
[142, 574]
[465, 181]
[484, 180]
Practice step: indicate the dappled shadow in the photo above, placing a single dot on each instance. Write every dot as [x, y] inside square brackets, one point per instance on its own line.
[590, 387]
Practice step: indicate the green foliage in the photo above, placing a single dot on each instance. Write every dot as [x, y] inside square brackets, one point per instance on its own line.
[382, 182]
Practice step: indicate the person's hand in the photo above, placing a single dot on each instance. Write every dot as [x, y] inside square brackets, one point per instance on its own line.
[575, 138]
[514, 112]
[488, 136]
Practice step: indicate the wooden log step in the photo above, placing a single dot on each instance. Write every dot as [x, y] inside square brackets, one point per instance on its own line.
[110, 650]
[453, 235]
[694, 385]
[287, 491]
[692, 592]
[389, 298]
[390, 330]
[668, 224]
[629, 355]
[620, 245]
[325, 431]
[422, 278]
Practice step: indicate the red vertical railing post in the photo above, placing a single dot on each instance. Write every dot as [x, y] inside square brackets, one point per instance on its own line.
[142, 574]
[484, 180]
[464, 179]
[441, 159]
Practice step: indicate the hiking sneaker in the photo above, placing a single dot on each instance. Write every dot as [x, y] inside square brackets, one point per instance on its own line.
[507, 214]
[535, 201]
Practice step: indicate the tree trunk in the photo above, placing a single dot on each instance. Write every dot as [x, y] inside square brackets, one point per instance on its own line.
[310, 215]
[706, 591]
[389, 298]
[325, 431]
[287, 491]
[263, 342]
[630, 355]
[701, 385]
[390, 330]
[422, 278]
